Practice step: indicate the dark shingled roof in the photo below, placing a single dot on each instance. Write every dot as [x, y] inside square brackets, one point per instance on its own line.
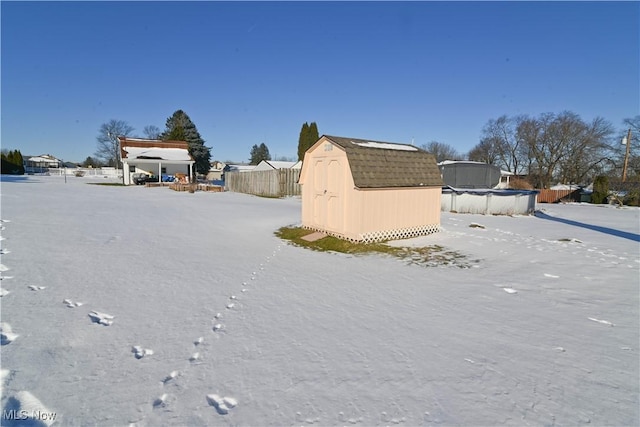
[377, 164]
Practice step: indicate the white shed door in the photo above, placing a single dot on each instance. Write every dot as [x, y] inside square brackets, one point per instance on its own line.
[327, 202]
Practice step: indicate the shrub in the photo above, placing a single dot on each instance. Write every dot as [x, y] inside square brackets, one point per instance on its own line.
[519, 184]
[600, 190]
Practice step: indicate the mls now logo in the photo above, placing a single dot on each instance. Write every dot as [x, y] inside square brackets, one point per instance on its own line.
[21, 415]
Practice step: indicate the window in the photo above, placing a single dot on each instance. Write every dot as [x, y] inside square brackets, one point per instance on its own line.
[132, 168]
[164, 170]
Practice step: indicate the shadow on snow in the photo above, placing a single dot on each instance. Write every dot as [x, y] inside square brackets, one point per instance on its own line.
[606, 230]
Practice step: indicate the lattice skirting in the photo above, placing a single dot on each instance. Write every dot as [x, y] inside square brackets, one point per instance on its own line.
[378, 236]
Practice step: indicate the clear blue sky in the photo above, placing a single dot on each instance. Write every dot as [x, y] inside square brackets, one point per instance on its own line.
[253, 72]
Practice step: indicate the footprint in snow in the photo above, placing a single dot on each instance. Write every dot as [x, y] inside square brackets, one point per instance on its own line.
[161, 401]
[6, 334]
[72, 304]
[29, 410]
[4, 292]
[4, 251]
[140, 352]
[36, 288]
[218, 327]
[551, 276]
[194, 357]
[101, 318]
[510, 290]
[199, 341]
[221, 404]
[3, 268]
[5, 277]
[172, 375]
[230, 306]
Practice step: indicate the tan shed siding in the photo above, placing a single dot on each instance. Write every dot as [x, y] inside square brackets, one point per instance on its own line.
[393, 209]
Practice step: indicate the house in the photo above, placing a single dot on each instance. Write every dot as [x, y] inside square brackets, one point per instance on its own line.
[153, 157]
[277, 164]
[216, 171]
[40, 164]
[367, 191]
[237, 168]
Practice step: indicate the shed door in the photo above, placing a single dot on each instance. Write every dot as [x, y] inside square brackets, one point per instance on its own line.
[328, 198]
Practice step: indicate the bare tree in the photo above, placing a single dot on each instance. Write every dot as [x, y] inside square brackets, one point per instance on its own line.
[502, 134]
[563, 147]
[108, 148]
[151, 132]
[441, 151]
[485, 152]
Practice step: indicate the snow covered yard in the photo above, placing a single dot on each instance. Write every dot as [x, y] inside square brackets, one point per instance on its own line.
[143, 305]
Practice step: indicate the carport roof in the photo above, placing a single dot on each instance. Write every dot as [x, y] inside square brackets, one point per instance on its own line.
[378, 164]
[150, 149]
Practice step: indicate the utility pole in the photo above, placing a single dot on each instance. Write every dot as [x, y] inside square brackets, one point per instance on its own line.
[626, 155]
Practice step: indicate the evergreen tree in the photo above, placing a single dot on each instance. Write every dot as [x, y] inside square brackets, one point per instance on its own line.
[302, 140]
[12, 162]
[179, 127]
[600, 190]
[313, 136]
[259, 153]
[308, 136]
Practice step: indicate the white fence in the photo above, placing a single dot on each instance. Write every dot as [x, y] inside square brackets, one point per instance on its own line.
[106, 172]
[269, 183]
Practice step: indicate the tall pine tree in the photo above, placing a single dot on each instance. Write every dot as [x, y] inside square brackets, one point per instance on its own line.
[179, 127]
[308, 137]
[302, 140]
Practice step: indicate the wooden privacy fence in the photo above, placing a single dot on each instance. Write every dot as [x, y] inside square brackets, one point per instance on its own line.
[554, 196]
[270, 183]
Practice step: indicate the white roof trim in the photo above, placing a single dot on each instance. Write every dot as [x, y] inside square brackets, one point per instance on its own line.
[156, 154]
[385, 146]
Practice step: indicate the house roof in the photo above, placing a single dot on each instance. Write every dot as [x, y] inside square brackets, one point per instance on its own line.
[277, 164]
[377, 164]
[151, 149]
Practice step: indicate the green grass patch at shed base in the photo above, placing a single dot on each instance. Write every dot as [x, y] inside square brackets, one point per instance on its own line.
[428, 256]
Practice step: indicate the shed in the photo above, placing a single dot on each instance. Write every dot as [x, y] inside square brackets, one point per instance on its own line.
[154, 157]
[367, 191]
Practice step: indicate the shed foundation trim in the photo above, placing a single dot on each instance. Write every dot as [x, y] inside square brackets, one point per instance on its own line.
[383, 235]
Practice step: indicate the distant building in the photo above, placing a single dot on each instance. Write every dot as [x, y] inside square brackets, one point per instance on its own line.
[154, 157]
[277, 164]
[40, 164]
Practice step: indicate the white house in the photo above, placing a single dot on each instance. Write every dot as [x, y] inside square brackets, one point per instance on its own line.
[154, 157]
[40, 163]
[266, 165]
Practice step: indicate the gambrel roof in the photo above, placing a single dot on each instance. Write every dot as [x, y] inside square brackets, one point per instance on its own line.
[377, 164]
